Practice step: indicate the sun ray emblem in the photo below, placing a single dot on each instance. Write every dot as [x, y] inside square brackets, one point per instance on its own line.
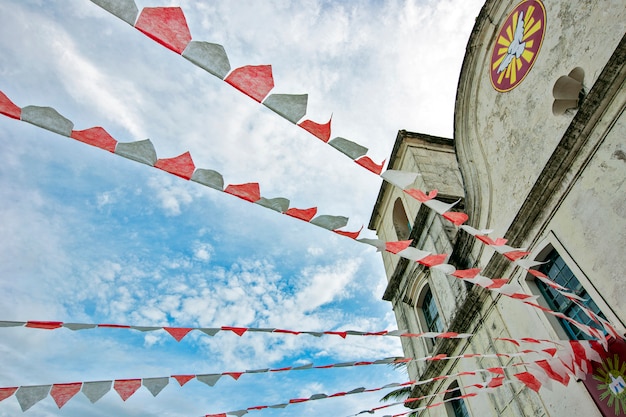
[612, 383]
[517, 45]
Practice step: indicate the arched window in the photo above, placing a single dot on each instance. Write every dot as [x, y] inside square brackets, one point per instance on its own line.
[401, 221]
[456, 407]
[558, 271]
[431, 314]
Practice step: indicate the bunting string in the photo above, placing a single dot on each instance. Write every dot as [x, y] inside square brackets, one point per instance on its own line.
[183, 167]
[29, 395]
[168, 27]
[178, 333]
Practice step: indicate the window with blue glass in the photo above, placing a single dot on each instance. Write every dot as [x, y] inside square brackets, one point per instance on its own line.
[558, 271]
[455, 406]
[431, 314]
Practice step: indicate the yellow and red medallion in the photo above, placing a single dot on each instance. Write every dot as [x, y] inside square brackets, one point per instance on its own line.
[517, 45]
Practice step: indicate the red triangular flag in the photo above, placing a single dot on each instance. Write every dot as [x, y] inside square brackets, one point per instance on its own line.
[254, 81]
[420, 196]
[515, 254]
[351, 235]
[126, 387]
[183, 379]
[432, 260]
[395, 247]
[249, 191]
[529, 380]
[177, 332]
[7, 392]
[239, 331]
[456, 217]
[166, 25]
[235, 375]
[320, 131]
[8, 108]
[370, 165]
[95, 136]
[48, 325]
[466, 273]
[181, 165]
[62, 393]
[302, 214]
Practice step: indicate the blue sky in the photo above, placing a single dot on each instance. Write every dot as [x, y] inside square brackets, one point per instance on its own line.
[88, 236]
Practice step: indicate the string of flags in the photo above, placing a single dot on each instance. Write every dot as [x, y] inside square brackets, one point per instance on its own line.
[183, 167]
[560, 359]
[168, 27]
[178, 333]
[27, 396]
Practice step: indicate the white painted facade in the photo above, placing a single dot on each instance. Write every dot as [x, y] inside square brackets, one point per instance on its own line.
[541, 180]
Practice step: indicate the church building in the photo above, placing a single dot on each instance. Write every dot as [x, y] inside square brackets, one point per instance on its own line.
[538, 158]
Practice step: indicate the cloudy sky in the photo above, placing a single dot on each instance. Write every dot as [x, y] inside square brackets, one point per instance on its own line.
[87, 236]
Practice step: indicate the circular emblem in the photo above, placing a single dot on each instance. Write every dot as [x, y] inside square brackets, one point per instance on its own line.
[611, 377]
[517, 45]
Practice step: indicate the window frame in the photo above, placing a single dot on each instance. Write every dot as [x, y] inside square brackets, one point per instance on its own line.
[540, 253]
[451, 410]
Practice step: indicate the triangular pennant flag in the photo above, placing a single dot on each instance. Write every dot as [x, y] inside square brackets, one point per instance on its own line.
[124, 9]
[155, 385]
[62, 393]
[395, 247]
[47, 118]
[145, 328]
[302, 214]
[290, 106]
[96, 390]
[529, 380]
[432, 260]
[183, 379]
[278, 204]
[347, 147]
[209, 331]
[238, 413]
[320, 131]
[351, 235]
[7, 392]
[126, 387]
[8, 108]
[234, 375]
[178, 332]
[249, 192]
[330, 222]
[456, 217]
[181, 166]
[141, 151]
[401, 179]
[166, 25]
[209, 379]
[95, 136]
[420, 196]
[29, 396]
[209, 178]
[12, 323]
[48, 325]
[210, 57]
[78, 326]
[239, 331]
[413, 254]
[254, 81]
[370, 165]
